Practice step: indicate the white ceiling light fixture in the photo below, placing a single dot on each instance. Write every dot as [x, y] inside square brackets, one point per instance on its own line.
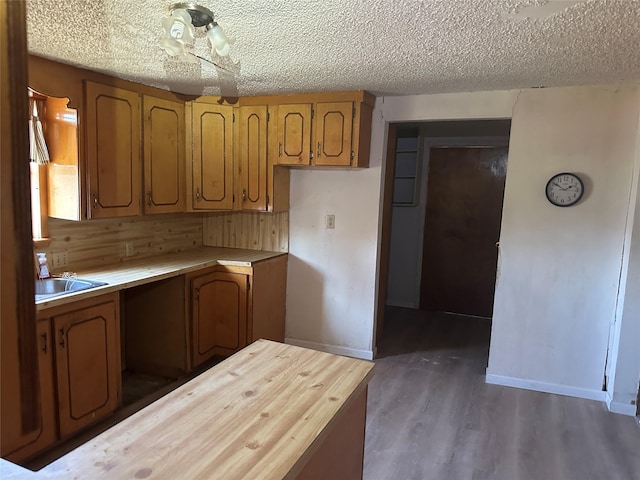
[180, 28]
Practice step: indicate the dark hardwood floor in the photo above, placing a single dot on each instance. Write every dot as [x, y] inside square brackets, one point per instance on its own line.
[431, 416]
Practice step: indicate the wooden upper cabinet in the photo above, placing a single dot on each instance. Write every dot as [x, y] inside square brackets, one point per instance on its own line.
[113, 126]
[294, 134]
[212, 143]
[252, 161]
[164, 155]
[332, 130]
[87, 363]
[333, 134]
[218, 314]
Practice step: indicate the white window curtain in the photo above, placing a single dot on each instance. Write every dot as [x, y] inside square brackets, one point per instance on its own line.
[39, 153]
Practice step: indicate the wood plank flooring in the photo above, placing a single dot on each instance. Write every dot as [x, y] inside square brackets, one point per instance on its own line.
[431, 416]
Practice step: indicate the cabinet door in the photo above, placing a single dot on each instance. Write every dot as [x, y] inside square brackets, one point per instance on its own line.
[333, 133]
[294, 134]
[219, 314]
[164, 152]
[113, 126]
[252, 164]
[87, 365]
[47, 434]
[212, 156]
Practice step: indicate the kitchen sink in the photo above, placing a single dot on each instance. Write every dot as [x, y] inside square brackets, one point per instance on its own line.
[55, 286]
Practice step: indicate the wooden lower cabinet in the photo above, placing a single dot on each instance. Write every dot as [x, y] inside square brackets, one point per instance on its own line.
[219, 314]
[230, 307]
[47, 434]
[87, 363]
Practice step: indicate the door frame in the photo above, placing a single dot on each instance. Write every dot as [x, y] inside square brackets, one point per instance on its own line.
[388, 167]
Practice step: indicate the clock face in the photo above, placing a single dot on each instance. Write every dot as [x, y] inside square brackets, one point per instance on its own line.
[564, 189]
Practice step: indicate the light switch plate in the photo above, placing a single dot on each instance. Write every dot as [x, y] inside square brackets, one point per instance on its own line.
[330, 222]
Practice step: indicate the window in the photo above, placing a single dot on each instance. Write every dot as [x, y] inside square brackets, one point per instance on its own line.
[39, 158]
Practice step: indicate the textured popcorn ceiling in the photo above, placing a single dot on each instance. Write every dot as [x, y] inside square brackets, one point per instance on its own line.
[384, 46]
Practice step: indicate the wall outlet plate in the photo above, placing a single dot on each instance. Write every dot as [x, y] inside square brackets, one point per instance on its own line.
[60, 259]
[128, 248]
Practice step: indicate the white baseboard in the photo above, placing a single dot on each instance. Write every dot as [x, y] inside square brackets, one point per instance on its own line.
[619, 407]
[335, 349]
[555, 388]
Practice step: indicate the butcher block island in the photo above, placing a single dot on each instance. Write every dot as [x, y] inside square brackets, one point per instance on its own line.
[271, 411]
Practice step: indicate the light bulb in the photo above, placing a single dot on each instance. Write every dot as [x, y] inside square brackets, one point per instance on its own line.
[218, 39]
[178, 26]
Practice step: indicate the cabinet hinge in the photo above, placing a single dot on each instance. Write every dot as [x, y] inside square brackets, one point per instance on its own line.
[268, 116]
[353, 154]
[233, 117]
[233, 198]
[311, 155]
[313, 112]
[353, 112]
[248, 284]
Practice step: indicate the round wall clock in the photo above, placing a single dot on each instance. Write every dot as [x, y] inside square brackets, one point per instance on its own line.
[564, 189]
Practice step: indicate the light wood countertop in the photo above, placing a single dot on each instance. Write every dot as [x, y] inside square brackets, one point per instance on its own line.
[139, 272]
[260, 414]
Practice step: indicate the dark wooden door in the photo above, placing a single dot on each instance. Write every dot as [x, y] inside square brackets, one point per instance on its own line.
[462, 227]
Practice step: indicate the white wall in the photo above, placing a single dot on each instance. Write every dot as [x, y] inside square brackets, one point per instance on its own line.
[560, 268]
[332, 273]
[624, 369]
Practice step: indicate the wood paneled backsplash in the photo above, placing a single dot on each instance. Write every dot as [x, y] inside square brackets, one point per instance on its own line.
[102, 241]
[256, 231]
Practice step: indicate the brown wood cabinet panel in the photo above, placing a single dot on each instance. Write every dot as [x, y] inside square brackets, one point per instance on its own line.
[113, 126]
[294, 134]
[268, 297]
[340, 454]
[87, 363]
[212, 179]
[47, 434]
[218, 314]
[164, 155]
[334, 133]
[252, 161]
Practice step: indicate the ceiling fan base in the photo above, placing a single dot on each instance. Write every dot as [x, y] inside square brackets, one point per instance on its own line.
[200, 16]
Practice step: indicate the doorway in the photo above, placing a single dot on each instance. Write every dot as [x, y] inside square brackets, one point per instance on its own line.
[410, 272]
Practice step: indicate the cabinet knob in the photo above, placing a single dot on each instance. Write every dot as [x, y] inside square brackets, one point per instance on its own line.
[318, 150]
[197, 194]
[280, 149]
[95, 200]
[149, 198]
[62, 337]
[44, 342]
[244, 194]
